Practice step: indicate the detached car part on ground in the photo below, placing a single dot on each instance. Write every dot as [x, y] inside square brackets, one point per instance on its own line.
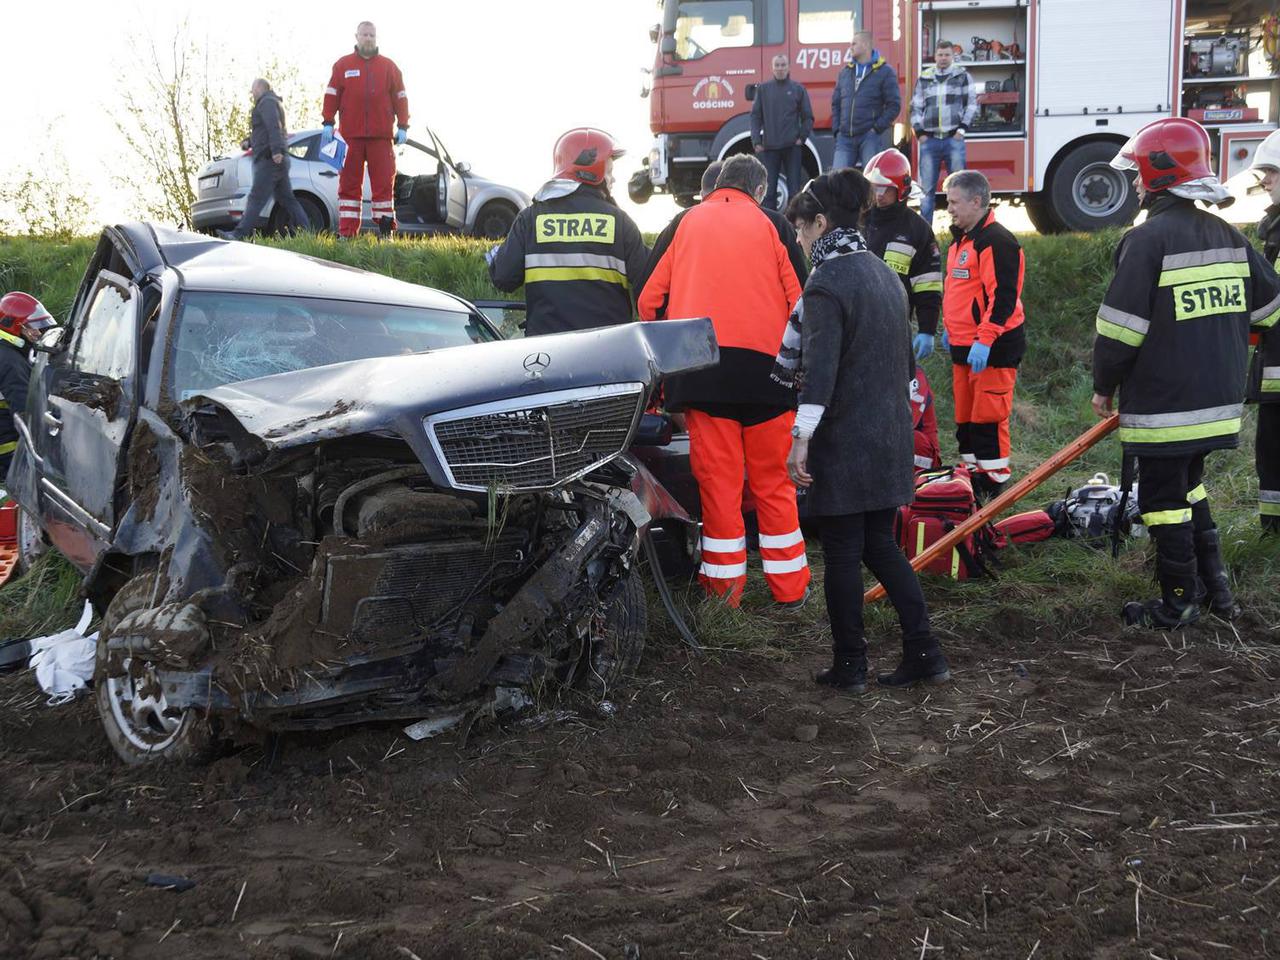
[306, 509]
[433, 193]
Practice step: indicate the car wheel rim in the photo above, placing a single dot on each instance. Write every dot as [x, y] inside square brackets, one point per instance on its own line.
[141, 712]
[1099, 190]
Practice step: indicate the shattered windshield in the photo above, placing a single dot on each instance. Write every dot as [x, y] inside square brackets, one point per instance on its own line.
[228, 337]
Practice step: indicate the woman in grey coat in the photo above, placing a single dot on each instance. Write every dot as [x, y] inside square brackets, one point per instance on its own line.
[847, 348]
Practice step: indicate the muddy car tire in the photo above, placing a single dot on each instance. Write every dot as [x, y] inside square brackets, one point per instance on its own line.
[619, 644]
[139, 724]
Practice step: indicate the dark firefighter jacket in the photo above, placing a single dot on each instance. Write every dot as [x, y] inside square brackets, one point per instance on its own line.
[1264, 370]
[900, 237]
[727, 261]
[1173, 329]
[15, 374]
[579, 258]
[982, 296]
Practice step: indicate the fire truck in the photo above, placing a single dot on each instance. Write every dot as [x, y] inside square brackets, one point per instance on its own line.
[1061, 84]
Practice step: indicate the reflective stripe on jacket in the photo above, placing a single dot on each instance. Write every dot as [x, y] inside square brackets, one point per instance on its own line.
[982, 293]
[901, 238]
[1173, 329]
[367, 95]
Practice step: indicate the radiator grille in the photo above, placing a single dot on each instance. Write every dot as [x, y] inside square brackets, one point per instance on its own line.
[535, 447]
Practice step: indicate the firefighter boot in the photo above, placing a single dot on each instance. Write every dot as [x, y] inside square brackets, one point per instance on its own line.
[848, 672]
[1213, 589]
[386, 225]
[1270, 525]
[1176, 607]
[922, 662]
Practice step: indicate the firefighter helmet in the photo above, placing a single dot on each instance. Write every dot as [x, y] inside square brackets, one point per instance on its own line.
[22, 315]
[1267, 156]
[890, 168]
[1166, 153]
[583, 154]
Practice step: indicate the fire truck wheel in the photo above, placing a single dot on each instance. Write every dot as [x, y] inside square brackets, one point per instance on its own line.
[1040, 215]
[1087, 194]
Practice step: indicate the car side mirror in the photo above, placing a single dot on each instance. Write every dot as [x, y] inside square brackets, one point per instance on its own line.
[668, 45]
[750, 91]
[654, 32]
[462, 167]
[654, 430]
[51, 342]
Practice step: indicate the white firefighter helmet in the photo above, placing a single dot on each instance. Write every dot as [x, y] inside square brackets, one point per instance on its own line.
[1267, 158]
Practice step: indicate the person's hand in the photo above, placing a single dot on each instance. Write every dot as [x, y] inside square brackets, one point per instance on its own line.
[1101, 406]
[401, 136]
[798, 462]
[922, 137]
[678, 422]
[759, 148]
[979, 353]
[946, 342]
[959, 134]
[245, 144]
[923, 344]
[326, 134]
[799, 143]
[492, 254]
[277, 158]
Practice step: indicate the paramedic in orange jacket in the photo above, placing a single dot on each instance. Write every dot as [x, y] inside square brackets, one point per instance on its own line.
[727, 260]
[983, 318]
[366, 91]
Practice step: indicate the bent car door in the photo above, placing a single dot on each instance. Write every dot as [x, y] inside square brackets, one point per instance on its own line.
[90, 391]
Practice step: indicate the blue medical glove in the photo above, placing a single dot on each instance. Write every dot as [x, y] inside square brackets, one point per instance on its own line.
[923, 344]
[978, 356]
[946, 342]
[401, 136]
[492, 254]
[326, 135]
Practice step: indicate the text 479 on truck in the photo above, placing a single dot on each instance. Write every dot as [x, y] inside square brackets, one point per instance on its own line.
[1061, 85]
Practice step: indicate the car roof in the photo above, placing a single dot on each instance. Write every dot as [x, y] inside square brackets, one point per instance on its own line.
[205, 263]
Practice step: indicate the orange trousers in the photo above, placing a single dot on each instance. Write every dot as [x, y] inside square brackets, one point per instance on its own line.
[720, 450]
[381, 159]
[984, 402]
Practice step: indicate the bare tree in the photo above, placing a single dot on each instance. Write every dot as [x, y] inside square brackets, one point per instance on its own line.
[45, 201]
[185, 104]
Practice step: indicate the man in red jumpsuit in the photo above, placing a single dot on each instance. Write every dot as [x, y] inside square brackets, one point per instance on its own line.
[367, 90]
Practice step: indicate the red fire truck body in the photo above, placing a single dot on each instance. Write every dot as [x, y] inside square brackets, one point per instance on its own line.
[1061, 84]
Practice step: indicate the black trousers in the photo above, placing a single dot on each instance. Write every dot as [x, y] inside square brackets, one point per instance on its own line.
[1173, 502]
[849, 541]
[789, 161]
[1267, 458]
[270, 180]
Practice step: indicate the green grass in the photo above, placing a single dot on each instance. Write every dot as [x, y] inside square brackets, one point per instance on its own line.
[1058, 586]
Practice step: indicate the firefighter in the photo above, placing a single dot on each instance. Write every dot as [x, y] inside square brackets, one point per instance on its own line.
[23, 320]
[900, 237]
[1173, 338]
[983, 328]
[1264, 371]
[728, 260]
[579, 257]
[366, 91]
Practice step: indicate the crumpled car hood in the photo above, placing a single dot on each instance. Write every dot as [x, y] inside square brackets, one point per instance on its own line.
[394, 394]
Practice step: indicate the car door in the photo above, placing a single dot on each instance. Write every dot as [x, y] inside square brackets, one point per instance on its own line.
[453, 211]
[82, 425]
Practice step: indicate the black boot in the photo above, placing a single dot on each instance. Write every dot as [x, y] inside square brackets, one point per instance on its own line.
[1176, 607]
[1270, 525]
[1213, 587]
[985, 489]
[847, 674]
[386, 225]
[921, 663]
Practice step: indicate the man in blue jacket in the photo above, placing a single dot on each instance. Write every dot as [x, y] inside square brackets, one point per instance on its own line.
[864, 104]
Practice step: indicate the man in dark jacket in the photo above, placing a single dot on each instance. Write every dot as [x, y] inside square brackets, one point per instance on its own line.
[579, 257]
[781, 121]
[1264, 371]
[864, 104]
[23, 319]
[1173, 338]
[728, 261]
[270, 165]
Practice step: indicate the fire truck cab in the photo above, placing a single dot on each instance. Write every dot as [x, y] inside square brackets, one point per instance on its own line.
[1060, 85]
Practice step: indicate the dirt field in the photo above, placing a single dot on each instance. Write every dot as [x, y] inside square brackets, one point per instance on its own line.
[1094, 794]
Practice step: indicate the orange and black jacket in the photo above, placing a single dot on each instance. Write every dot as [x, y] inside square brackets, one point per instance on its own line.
[728, 261]
[982, 293]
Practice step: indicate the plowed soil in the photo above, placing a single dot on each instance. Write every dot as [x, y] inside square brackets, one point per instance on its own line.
[1092, 794]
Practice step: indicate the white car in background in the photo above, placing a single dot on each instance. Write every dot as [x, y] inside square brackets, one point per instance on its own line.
[433, 193]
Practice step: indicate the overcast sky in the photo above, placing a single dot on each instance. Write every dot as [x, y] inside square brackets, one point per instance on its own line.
[498, 80]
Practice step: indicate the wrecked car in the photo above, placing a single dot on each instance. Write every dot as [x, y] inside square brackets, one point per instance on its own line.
[305, 496]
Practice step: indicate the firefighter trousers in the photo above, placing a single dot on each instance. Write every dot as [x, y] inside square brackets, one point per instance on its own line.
[1267, 459]
[380, 158]
[720, 449]
[984, 402]
[1174, 506]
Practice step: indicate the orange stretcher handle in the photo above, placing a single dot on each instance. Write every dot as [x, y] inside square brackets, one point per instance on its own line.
[1011, 496]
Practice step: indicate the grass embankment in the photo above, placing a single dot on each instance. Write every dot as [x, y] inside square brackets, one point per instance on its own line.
[1057, 587]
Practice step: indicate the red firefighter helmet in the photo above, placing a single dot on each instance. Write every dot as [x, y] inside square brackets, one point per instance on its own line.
[890, 168]
[22, 315]
[583, 153]
[1166, 153]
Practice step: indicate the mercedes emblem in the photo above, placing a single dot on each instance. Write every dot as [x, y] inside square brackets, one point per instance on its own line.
[535, 363]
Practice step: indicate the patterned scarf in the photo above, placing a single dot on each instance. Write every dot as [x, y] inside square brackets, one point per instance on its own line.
[837, 242]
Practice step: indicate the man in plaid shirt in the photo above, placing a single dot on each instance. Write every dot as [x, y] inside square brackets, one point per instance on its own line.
[942, 107]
